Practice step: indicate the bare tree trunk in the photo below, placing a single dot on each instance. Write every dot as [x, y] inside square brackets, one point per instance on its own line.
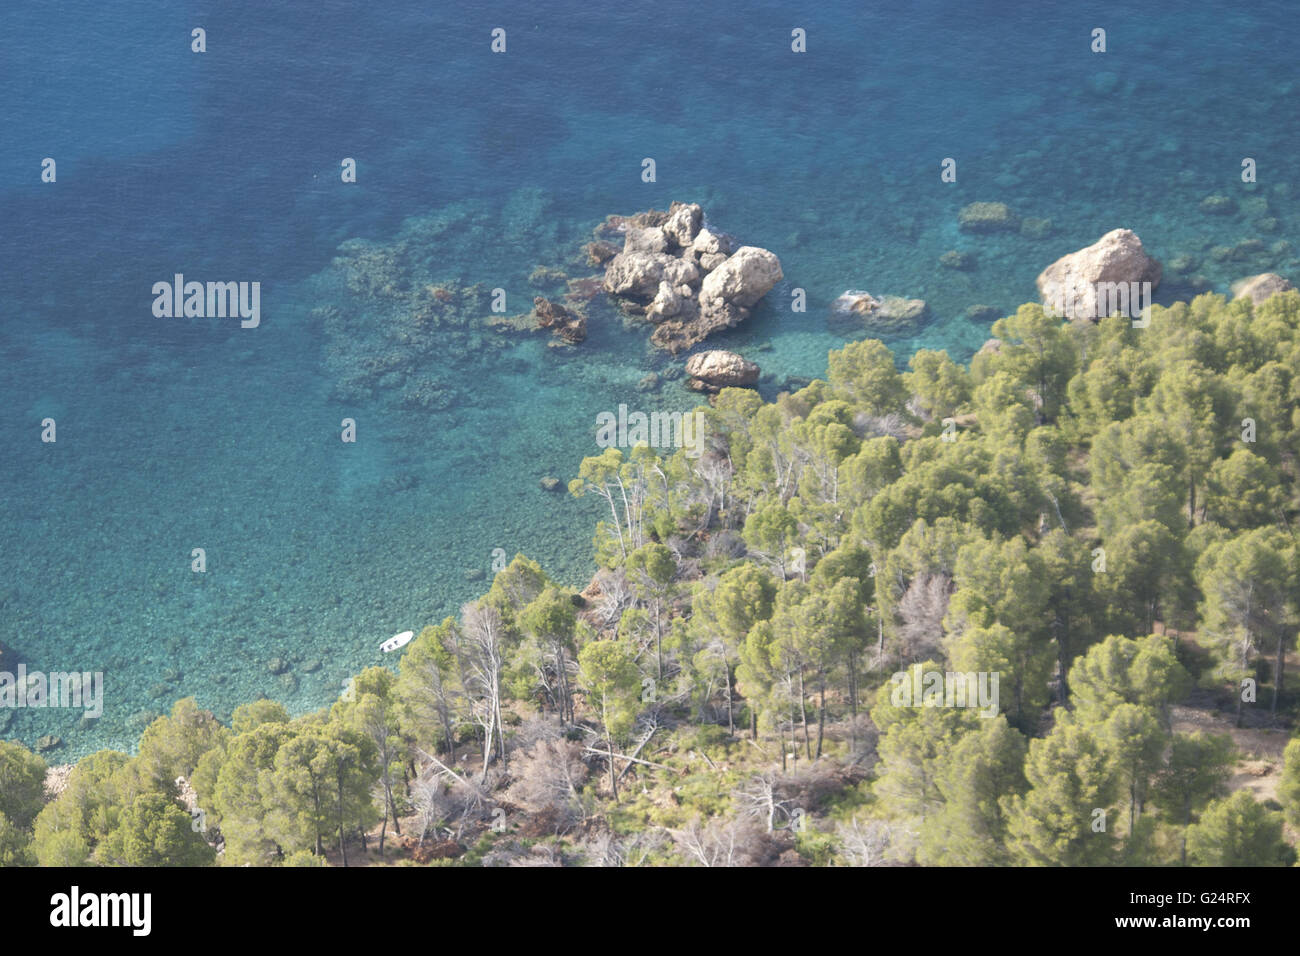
[731, 725]
[803, 715]
[1277, 676]
[343, 850]
[821, 720]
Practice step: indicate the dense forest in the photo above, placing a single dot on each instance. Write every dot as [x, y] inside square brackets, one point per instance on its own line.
[1100, 515]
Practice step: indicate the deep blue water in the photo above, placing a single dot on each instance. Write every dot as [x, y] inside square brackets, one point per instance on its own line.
[475, 168]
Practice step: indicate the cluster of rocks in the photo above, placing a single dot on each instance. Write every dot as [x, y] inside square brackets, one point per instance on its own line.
[684, 277]
[989, 217]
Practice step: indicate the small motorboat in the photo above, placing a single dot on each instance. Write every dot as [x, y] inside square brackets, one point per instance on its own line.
[396, 641]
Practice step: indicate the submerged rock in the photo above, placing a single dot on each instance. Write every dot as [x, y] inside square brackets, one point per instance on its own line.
[1261, 287]
[851, 302]
[981, 314]
[1218, 205]
[987, 217]
[717, 369]
[570, 326]
[1068, 285]
[544, 276]
[599, 252]
[1033, 228]
[890, 314]
[550, 484]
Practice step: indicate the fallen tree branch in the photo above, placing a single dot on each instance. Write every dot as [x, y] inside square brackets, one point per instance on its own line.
[608, 753]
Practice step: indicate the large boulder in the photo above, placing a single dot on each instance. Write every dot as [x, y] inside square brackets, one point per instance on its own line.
[1069, 285]
[746, 276]
[1260, 287]
[717, 369]
[648, 239]
[709, 249]
[636, 273]
[683, 225]
[724, 300]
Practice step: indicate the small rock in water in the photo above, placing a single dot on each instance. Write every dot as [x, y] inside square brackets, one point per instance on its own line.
[1103, 83]
[48, 742]
[987, 217]
[1218, 205]
[957, 260]
[550, 484]
[1032, 228]
[650, 382]
[981, 313]
[475, 574]
[544, 276]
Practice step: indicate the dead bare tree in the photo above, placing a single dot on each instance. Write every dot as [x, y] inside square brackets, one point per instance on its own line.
[922, 609]
[864, 843]
[615, 597]
[484, 654]
[726, 842]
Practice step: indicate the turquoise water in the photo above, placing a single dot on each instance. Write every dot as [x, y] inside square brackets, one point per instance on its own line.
[473, 169]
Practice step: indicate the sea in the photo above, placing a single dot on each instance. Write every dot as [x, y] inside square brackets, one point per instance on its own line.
[198, 526]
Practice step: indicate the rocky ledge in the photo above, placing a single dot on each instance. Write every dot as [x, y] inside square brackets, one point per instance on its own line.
[683, 276]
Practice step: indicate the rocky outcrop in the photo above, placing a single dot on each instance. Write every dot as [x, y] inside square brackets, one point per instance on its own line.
[717, 369]
[1260, 287]
[684, 277]
[570, 326]
[1069, 285]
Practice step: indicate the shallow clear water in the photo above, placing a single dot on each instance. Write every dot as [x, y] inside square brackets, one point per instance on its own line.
[475, 168]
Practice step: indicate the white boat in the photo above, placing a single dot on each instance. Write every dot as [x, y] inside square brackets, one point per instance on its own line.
[396, 641]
